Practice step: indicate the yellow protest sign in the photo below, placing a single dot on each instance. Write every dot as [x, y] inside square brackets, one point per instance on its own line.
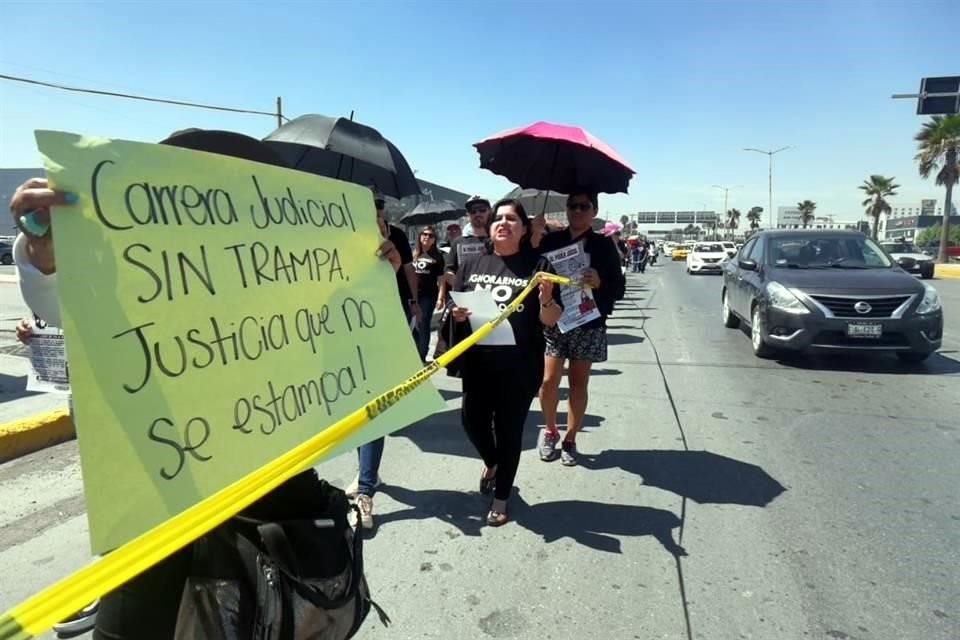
[217, 313]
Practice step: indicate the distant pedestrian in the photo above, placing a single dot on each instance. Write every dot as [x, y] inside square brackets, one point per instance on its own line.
[428, 265]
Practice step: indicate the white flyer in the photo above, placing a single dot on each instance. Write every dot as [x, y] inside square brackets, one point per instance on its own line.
[48, 362]
[579, 307]
[483, 309]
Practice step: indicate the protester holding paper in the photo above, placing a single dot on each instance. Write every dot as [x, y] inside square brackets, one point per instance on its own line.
[500, 379]
[580, 336]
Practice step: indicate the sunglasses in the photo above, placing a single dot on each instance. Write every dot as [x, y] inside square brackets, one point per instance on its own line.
[426, 235]
[580, 206]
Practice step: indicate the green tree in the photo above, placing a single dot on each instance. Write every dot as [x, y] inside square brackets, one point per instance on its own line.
[754, 217]
[937, 144]
[878, 188]
[807, 207]
[934, 233]
[733, 219]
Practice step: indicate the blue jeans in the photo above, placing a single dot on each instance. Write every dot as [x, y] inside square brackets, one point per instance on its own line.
[370, 455]
[427, 306]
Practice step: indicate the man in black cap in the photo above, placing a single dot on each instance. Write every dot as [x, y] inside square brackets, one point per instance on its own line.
[472, 242]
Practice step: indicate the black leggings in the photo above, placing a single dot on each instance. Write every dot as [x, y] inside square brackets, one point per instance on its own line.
[493, 412]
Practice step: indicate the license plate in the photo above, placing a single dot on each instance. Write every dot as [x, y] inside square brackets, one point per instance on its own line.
[864, 330]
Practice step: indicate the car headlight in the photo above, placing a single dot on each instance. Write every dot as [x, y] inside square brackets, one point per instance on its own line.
[783, 299]
[931, 300]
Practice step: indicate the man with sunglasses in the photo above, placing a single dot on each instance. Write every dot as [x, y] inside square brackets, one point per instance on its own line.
[473, 242]
[585, 344]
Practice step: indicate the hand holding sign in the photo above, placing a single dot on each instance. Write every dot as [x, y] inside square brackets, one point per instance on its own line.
[218, 313]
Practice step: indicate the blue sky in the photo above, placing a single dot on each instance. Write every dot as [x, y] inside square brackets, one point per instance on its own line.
[678, 88]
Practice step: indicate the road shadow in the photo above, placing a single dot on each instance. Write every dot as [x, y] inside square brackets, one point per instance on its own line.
[443, 434]
[937, 364]
[464, 510]
[702, 476]
[605, 372]
[623, 338]
[13, 388]
[592, 524]
[450, 394]
[595, 524]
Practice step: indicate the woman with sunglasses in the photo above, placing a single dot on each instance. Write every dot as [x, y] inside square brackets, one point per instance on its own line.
[500, 382]
[428, 265]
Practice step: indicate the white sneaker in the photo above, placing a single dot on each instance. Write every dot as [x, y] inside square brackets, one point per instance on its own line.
[365, 504]
[352, 488]
[80, 622]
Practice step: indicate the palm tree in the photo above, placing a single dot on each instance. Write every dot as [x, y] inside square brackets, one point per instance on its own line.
[937, 146]
[877, 189]
[733, 218]
[754, 217]
[807, 208]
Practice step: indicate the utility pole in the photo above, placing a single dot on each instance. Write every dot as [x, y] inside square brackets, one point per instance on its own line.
[726, 190]
[769, 154]
[279, 112]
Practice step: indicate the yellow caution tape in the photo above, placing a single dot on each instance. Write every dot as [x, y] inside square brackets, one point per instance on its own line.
[57, 602]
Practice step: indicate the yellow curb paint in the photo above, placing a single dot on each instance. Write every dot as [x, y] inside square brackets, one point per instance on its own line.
[947, 271]
[20, 437]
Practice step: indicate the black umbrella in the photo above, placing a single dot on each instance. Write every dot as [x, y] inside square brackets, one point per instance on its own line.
[347, 150]
[536, 201]
[433, 212]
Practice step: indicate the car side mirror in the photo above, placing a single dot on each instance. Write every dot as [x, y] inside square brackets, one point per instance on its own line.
[748, 265]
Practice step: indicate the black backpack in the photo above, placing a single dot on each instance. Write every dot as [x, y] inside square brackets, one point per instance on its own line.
[290, 566]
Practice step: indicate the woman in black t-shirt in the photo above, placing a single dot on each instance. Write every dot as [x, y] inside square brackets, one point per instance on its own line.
[500, 382]
[428, 265]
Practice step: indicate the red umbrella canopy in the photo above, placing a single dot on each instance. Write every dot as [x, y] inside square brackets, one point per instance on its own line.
[556, 157]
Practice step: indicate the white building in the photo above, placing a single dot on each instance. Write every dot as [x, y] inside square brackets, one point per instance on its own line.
[789, 218]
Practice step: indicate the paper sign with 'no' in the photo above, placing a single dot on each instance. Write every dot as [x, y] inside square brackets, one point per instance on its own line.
[217, 313]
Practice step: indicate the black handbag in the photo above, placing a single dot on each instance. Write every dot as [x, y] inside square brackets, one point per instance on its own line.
[449, 333]
[288, 568]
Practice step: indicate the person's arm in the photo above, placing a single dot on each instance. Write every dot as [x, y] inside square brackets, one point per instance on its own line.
[39, 289]
[550, 309]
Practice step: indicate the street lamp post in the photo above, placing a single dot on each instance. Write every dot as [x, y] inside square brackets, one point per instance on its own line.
[726, 190]
[769, 154]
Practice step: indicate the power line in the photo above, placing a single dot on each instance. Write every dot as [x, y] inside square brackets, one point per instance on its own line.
[130, 96]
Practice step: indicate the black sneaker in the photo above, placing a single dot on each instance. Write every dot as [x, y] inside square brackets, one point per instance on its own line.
[568, 454]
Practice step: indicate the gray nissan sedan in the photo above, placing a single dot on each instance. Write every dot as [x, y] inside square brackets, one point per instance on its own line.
[801, 290]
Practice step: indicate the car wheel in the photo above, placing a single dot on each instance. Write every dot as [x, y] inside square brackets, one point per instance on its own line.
[730, 321]
[7, 258]
[926, 275]
[913, 357]
[760, 348]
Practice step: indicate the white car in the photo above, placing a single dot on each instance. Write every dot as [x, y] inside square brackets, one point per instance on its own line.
[910, 258]
[706, 257]
[730, 248]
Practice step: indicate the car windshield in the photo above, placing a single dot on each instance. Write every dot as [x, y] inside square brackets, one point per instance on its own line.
[708, 248]
[900, 247]
[826, 252]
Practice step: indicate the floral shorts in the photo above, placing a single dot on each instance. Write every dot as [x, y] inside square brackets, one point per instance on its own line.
[577, 344]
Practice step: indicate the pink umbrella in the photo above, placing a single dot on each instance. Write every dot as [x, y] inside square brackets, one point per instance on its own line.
[555, 157]
[610, 228]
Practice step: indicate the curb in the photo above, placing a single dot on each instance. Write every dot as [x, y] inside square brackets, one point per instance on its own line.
[20, 437]
[947, 271]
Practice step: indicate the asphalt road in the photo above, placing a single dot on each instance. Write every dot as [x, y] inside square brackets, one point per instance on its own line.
[720, 496]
